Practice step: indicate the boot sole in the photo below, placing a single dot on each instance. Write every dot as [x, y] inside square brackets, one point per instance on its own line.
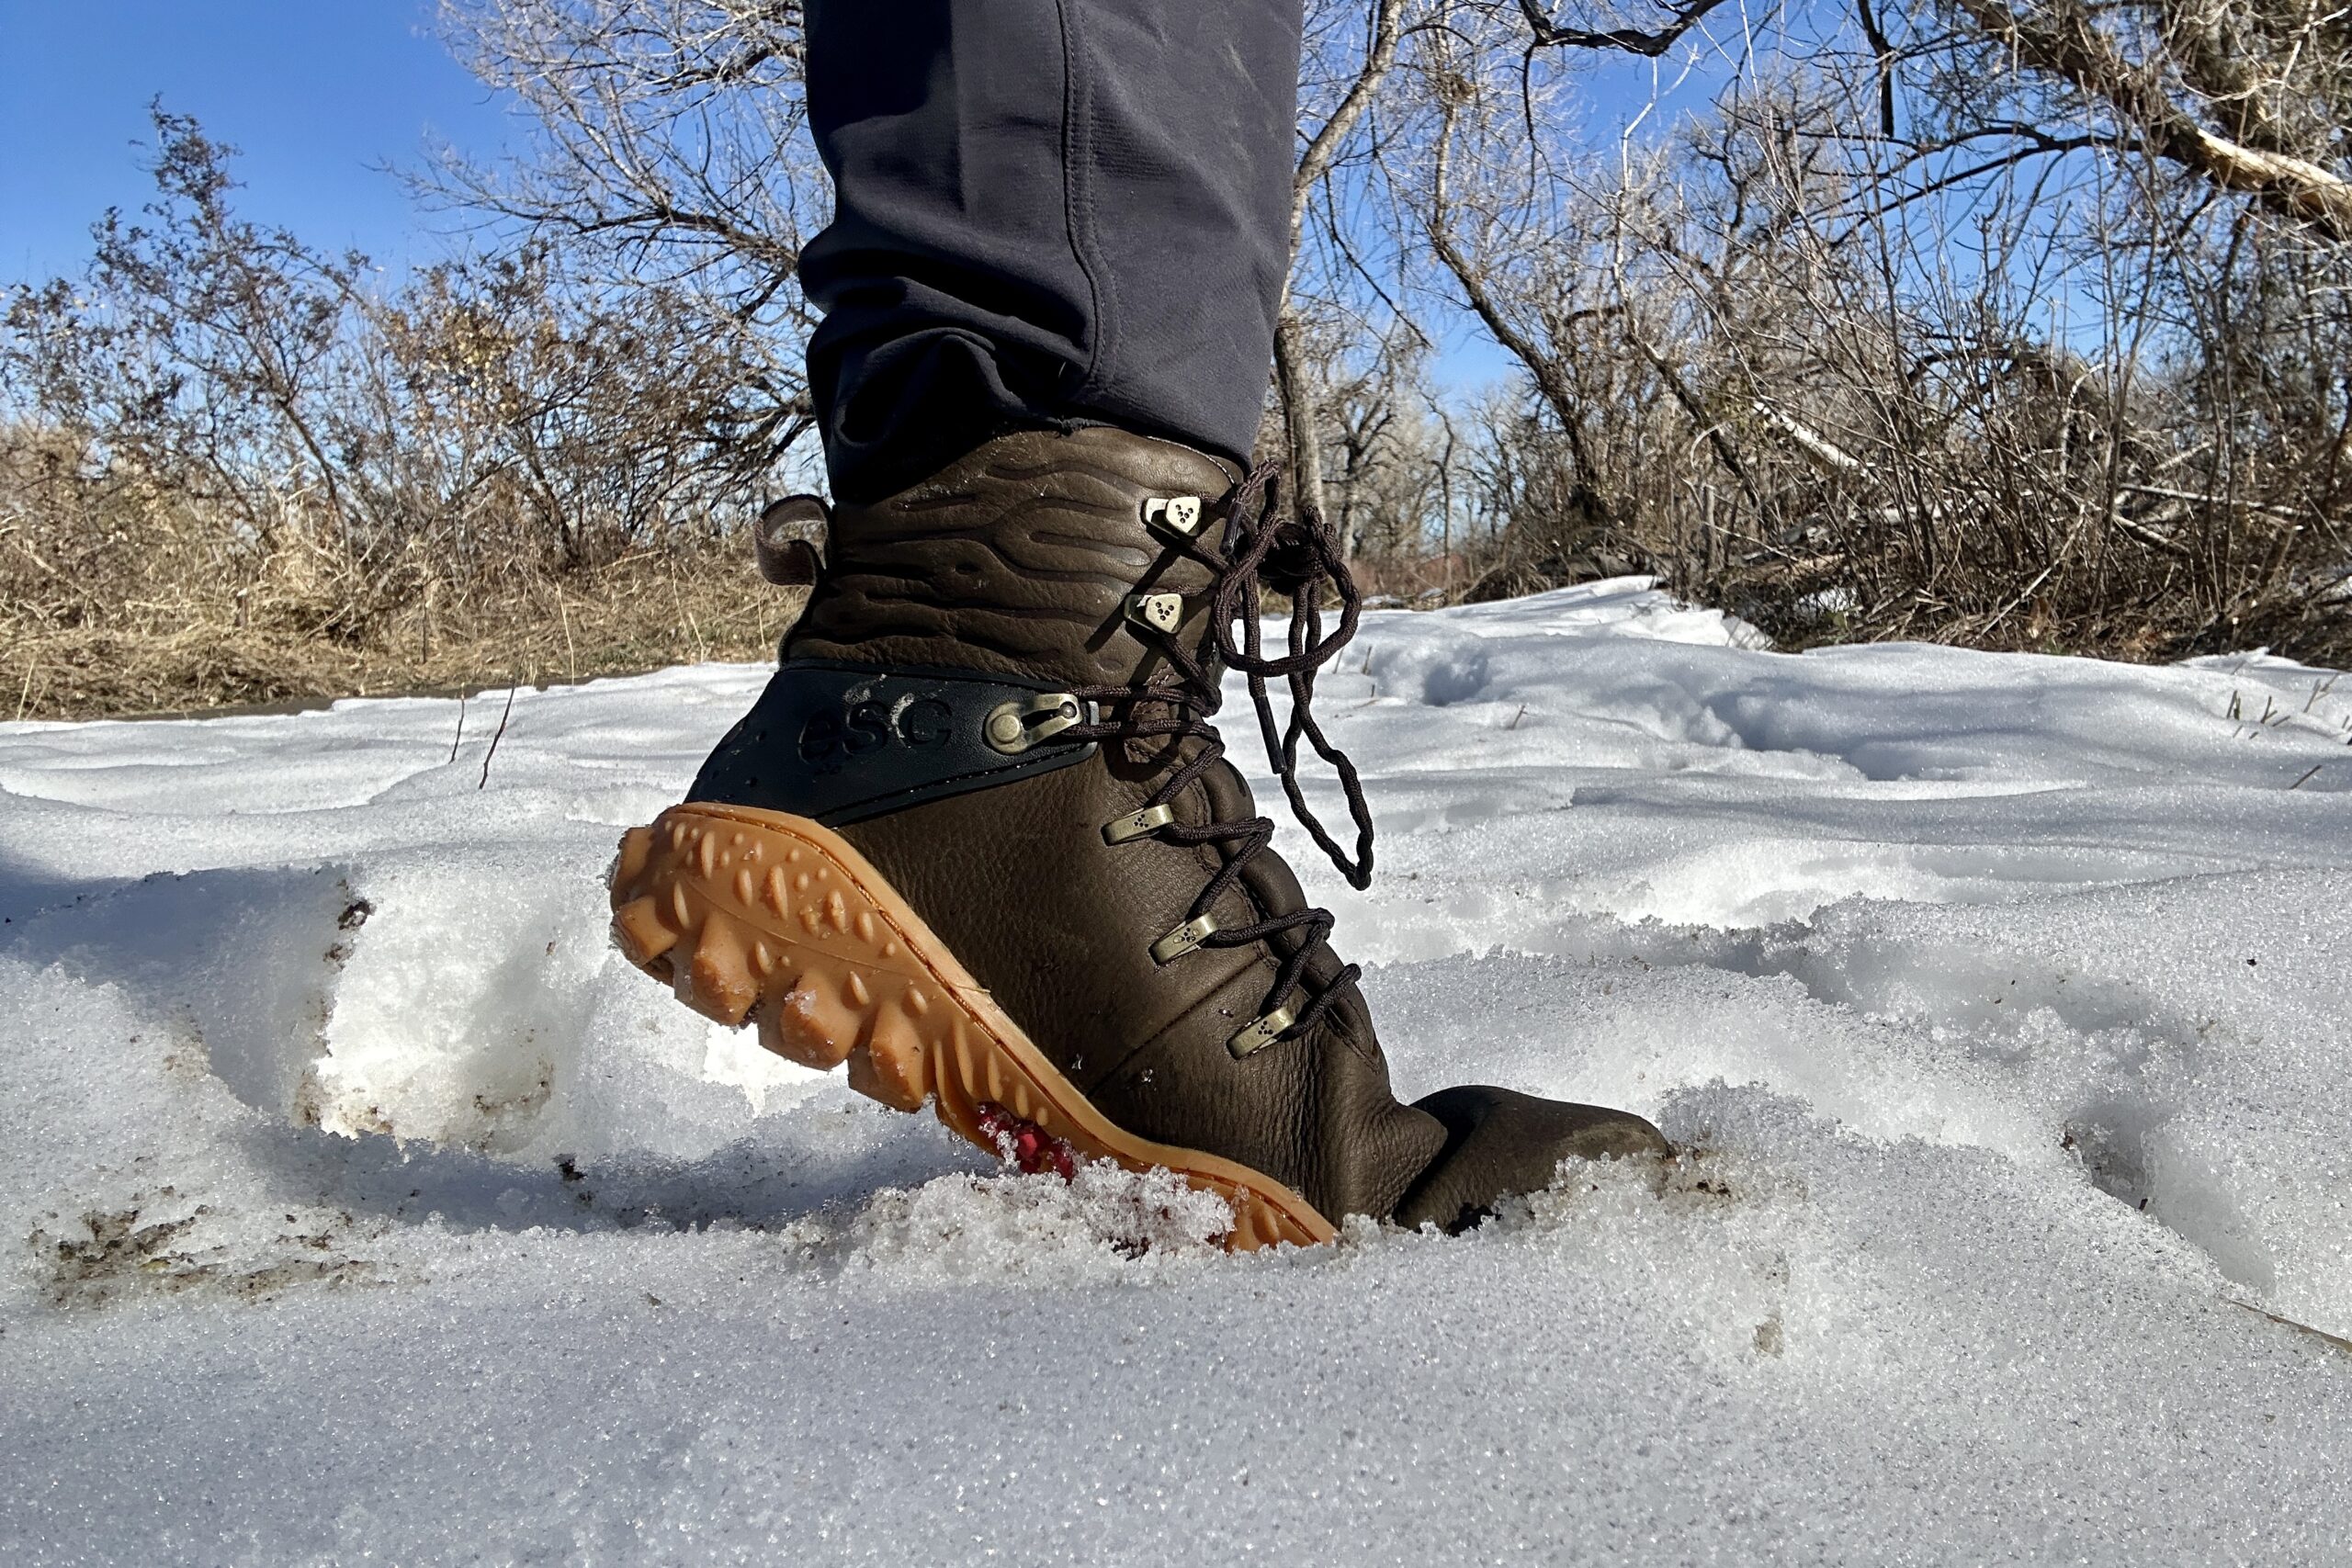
[757, 916]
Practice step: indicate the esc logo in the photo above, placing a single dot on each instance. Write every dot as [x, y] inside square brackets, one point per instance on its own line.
[831, 739]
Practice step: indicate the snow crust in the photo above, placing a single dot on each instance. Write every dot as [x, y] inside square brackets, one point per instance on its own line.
[358, 1204]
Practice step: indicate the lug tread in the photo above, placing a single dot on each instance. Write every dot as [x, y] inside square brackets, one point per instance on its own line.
[831, 968]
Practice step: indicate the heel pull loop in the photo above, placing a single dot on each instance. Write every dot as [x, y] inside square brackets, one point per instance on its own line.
[789, 540]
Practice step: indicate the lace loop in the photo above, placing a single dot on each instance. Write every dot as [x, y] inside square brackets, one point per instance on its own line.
[1312, 558]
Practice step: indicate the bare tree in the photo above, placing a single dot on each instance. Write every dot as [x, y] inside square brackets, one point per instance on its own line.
[1920, 326]
[668, 147]
[1348, 82]
[221, 441]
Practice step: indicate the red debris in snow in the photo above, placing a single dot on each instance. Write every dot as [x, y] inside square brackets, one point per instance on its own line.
[1026, 1145]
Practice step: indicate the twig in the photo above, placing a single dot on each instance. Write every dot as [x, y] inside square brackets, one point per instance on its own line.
[2025, 594]
[2307, 777]
[2320, 1333]
[461, 727]
[24, 693]
[1549, 34]
[1517, 717]
[495, 739]
[2199, 499]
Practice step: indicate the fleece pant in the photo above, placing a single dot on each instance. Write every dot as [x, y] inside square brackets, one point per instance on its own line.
[1047, 211]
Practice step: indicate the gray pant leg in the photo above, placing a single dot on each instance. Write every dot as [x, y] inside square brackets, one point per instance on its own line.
[1047, 211]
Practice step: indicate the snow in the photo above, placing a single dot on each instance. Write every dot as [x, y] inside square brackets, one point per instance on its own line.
[356, 1203]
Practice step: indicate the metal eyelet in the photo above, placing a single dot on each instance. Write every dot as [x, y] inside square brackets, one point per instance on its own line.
[1137, 824]
[1186, 938]
[1260, 1033]
[1160, 612]
[1014, 727]
[1178, 514]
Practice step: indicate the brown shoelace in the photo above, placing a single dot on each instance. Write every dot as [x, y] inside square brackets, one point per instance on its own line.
[1295, 559]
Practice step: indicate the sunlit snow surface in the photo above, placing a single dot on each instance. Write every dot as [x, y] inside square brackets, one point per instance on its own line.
[356, 1200]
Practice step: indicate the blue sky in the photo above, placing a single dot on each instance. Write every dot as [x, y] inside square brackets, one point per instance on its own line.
[318, 96]
[318, 93]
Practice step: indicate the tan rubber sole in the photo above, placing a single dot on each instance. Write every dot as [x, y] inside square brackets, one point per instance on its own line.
[757, 916]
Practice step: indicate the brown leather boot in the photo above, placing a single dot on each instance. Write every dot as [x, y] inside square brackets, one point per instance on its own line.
[978, 839]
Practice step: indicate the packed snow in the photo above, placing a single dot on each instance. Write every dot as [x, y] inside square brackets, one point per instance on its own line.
[360, 1204]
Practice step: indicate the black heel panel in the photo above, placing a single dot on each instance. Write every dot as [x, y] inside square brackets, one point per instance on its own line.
[838, 743]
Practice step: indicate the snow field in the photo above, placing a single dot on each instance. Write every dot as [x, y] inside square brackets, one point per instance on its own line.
[354, 1200]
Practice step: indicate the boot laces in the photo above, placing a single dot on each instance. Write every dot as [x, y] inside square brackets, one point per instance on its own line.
[1295, 558]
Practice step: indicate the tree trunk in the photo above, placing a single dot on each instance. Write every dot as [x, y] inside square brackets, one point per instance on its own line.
[1302, 422]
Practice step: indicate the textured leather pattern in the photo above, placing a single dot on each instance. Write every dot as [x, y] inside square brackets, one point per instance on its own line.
[838, 743]
[1016, 559]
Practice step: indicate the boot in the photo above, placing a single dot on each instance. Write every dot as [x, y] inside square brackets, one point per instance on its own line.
[978, 839]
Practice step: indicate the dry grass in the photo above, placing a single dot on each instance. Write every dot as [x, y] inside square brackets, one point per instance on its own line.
[119, 595]
[641, 614]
